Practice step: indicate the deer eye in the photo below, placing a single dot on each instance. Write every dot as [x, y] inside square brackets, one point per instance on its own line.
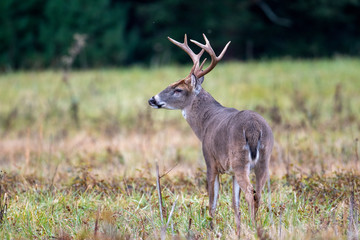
[178, 90]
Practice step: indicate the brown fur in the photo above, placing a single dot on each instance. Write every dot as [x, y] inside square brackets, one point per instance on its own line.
[181, 84]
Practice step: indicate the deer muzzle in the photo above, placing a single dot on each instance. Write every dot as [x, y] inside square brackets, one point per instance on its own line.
[154, 104]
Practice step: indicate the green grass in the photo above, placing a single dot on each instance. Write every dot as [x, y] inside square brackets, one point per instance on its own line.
[43, 213]
[65, 181]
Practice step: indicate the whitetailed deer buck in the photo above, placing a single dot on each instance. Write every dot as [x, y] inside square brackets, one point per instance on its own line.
[233, 141]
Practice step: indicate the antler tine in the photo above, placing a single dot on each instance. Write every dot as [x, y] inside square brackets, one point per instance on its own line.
[214, 59]
[194, 57]
[202, 64]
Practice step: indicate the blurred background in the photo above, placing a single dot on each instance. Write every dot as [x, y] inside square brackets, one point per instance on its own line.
[78, 139]
[35, 34]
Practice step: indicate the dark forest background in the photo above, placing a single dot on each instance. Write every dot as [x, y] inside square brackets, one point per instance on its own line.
[37, 33]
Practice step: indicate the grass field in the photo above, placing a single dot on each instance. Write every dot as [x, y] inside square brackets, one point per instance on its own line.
[78, 159]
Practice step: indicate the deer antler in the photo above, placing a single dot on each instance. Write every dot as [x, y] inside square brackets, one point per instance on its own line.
[197, 69]
[195, 57]
[214, 59]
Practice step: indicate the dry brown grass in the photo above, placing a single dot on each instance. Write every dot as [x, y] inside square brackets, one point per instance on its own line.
[59, 175]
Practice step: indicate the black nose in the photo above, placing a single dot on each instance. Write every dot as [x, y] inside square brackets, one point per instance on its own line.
[152, 101]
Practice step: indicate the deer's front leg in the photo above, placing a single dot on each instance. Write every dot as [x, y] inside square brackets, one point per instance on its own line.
[213, 189]
[236, 202]
[212, 177]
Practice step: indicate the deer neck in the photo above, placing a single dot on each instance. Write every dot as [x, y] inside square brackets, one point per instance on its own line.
[201, 112]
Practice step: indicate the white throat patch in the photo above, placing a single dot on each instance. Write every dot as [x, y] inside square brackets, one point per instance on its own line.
[184, 113]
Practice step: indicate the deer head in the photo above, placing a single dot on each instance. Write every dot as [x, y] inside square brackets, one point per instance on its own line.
[180, 94]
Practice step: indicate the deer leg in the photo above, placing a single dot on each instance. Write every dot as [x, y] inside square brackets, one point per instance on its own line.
[236, 202]
[261, 173]
[213, 190]
[243, 180]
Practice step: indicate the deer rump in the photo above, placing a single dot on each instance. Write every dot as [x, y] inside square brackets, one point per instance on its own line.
[236, 139]
[252, 134]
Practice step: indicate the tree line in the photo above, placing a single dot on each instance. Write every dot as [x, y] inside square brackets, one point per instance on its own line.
[38, 33]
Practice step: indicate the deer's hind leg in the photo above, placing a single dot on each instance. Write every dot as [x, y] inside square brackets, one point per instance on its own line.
[262, 173]
[243, 180]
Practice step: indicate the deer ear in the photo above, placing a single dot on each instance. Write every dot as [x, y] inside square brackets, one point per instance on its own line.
[201, 80]
[196, 83]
